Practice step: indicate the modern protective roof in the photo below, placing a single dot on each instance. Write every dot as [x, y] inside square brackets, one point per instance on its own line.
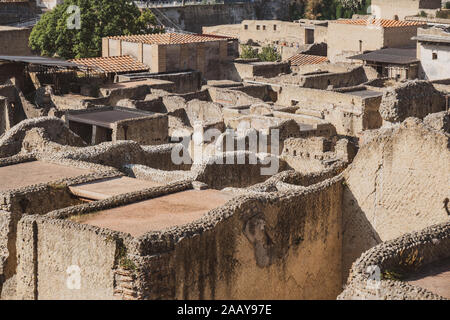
[112, 64]
[432, 38]
[384, 23]
[44, 61]
[169, 38]
[306, 59]
[106, 118]
[390, 55]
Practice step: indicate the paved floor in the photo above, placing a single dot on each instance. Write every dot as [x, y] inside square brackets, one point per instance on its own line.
[435, 278]
[35, 172]
[105, 188]
[159, 213]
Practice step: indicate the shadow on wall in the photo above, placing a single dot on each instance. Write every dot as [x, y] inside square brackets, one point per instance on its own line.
[397, 184]
[260, 248]
[358, 234]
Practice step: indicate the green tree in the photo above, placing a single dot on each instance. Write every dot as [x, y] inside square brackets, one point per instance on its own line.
[99, 18]
[269, 53]
[296, 10]
[248, 52]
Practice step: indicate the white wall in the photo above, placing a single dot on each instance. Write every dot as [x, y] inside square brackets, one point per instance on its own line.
[434, 69]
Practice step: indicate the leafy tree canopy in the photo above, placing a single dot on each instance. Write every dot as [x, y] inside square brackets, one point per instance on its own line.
[248, 52]
[99, 18]
[268, 53]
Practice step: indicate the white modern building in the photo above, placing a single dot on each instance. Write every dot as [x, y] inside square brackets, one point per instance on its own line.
[433, 51]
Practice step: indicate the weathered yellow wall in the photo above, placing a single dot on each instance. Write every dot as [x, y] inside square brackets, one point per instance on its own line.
[397, 184]
[286, 248]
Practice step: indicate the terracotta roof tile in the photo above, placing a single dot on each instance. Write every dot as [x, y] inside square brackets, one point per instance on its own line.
[169, 38]
[112, 64]
[305, 59]
[384, 23]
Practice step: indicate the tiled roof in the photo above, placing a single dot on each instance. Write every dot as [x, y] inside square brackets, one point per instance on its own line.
[305, 59]
[169, 38]
[384, 23]
[112, 64]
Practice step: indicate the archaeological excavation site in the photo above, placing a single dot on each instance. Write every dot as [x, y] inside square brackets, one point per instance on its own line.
[174, 167]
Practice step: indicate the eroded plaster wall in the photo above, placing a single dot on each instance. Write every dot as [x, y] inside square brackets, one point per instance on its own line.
[398, 183]
[52, 254]
[282, 246]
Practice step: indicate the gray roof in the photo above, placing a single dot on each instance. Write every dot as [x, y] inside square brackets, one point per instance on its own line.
[365, 93]
[50, 62]
[390, 55]
[432, 38]
[105, 118]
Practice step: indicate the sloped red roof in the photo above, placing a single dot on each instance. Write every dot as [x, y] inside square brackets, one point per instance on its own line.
[305, 59]
[112, 64]
[168, 38]
[384, 23]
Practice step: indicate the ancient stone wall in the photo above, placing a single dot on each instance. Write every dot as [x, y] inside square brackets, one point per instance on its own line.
[321, 76]
[412, 99]
[218, 175]
[209, 258]
[14, 41]
[119, 91]
[229, 97]
[184, 81]
[203, 111]
[55, 130]
[5, 115]
[240, 70]
[439, 121]
[240, 251]
[406, 254]
[316, 154]
[350, 114]
[77, 247]
[35, 200]
[397, 183]
[151, 130]
[77, 251]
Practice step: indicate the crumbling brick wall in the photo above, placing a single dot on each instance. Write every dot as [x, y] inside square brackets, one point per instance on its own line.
[412, 99]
